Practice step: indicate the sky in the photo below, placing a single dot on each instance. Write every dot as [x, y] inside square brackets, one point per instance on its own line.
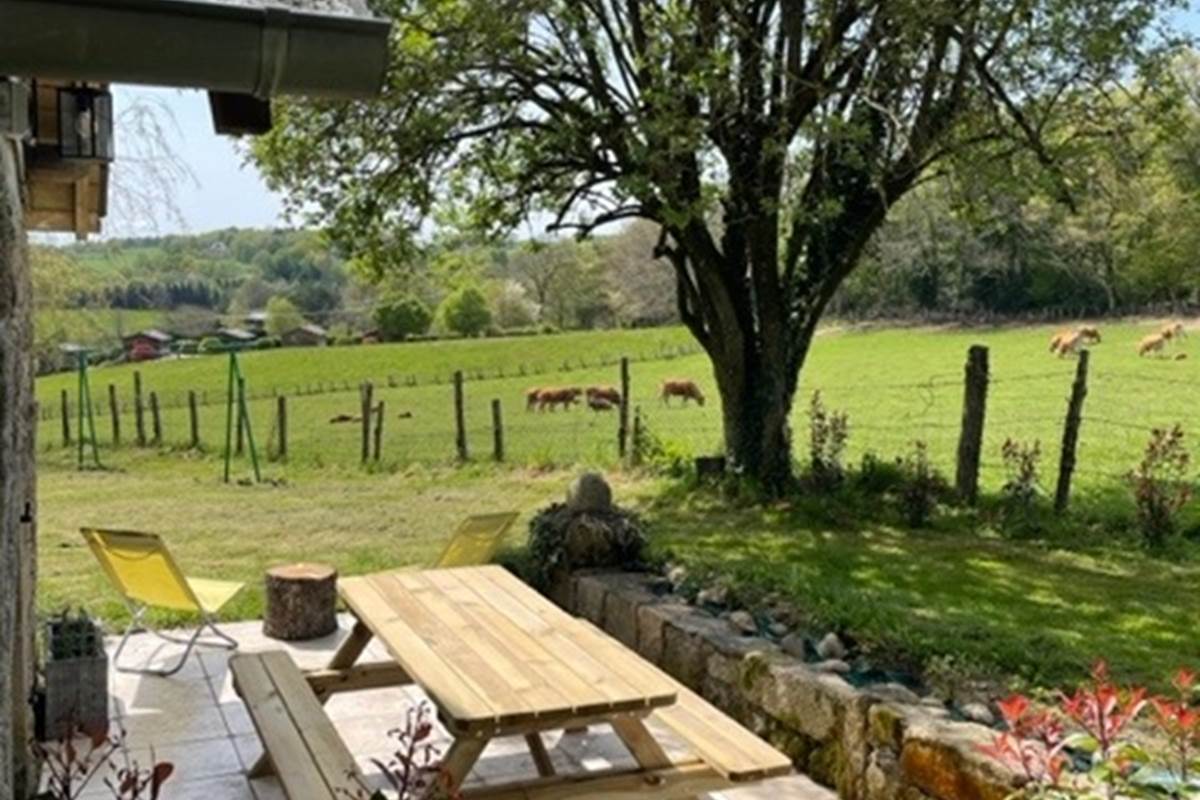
[229, 193]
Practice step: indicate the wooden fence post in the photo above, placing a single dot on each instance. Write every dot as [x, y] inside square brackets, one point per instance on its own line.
[139, 410]
[635, 452]
[115, 410]
[281, 423]
[460, 417]
[623, 424]
[66, 419]
[378, 431]
[1070, 440]
[155, 418]
[497, 430]
[193, 419]
[367, 393]
[970, 443]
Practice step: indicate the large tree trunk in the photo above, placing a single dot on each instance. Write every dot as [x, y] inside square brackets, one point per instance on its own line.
[758, 438]
[17, 501]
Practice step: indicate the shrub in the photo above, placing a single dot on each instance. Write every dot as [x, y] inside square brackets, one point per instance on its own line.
[465, 311]
[1098, 721]
[413, 771]
[402, 316]
[73, 762]
[828, 432]
[1021, 462]
[876, 476]
[1160, 486]
[561, 540]
[268, 343]
[922, 486]
[211, 344]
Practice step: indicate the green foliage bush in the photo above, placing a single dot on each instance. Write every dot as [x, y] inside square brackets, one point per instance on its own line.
[402, 316]
[1160, 485]
[211, 344]
[465, 311]
[828, 432]
[923, 486]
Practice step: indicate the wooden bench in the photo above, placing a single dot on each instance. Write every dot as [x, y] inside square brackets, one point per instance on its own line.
[735, 753]
[300, 743]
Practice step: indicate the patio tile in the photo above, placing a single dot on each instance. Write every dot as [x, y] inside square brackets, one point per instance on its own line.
[155, 728]
[267, 788]
[374, 703]
[237, 720]
[210, 758]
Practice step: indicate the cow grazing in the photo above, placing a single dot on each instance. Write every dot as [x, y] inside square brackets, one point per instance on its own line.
[1090, 334]
[532, 398]
[685, 389]
[552, 398]
[1154, 343]
[1069, 342]
[608, 393]
[1058, 338]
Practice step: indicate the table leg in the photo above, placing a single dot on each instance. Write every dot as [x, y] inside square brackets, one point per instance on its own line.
[646, 750]
[541, 758]
[459, 759]
[352, 647]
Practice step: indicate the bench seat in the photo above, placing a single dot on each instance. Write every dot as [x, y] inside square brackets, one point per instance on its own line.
[735, 753]
[301, 744]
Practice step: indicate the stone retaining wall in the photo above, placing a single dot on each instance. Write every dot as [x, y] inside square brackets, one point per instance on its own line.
[868, 744]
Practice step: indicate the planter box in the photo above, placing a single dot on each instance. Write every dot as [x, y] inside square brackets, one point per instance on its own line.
[76, 695]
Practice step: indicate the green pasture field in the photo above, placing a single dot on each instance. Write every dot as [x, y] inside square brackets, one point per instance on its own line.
[897, 385]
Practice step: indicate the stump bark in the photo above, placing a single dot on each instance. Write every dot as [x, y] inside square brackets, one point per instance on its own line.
[301, 602]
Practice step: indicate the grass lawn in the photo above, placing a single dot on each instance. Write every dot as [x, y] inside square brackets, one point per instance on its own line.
[1023, 609]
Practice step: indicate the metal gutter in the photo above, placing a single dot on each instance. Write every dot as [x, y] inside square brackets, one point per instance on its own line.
[246, 48]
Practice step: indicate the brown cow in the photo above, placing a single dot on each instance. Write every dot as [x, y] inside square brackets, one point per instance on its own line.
[608, 393]
[688, 390]
[1058, 338]
[552, 398]
[1172, 330]
[1069, 342]
[1154, 343]
[532, 397]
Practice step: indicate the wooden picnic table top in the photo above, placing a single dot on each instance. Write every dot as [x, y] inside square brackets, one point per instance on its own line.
[494, 655]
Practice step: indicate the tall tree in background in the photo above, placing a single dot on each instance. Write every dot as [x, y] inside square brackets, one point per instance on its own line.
[766, 139]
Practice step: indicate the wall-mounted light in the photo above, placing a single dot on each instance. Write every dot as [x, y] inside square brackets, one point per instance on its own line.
[85, 124]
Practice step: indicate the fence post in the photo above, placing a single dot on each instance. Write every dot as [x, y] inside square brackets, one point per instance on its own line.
[623, 425]
[241, 417]
[460, 417]
[1070, 440]
[115, 411]
[155, 418]
[378, 431]
[635, 452]
[281, 421]
[139, 410]
[66, 419]
[366, 393]
[497, 430]
[193, 419]
[970, 443]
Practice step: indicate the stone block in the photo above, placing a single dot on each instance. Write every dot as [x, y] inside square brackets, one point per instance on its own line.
[590, 592]
[942, 759]
[652, 621]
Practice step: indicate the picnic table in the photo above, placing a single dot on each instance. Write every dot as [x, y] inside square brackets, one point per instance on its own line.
[496, 659]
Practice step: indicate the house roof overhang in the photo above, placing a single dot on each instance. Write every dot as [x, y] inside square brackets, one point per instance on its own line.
[315, 48]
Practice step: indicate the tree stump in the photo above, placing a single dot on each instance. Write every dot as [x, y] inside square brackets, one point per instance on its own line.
[301, 602]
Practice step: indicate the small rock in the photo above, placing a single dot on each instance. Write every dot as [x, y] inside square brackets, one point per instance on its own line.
[833, 665]
[979, 712]
[713, 596]
[778, 630]
[589, 492]
[896, 693]
[677, 575]
[743, 622]
[794, 645]
[831, 647]
[933, 702]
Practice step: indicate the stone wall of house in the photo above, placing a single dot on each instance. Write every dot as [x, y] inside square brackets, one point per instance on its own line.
[869, 744]
[17, 500]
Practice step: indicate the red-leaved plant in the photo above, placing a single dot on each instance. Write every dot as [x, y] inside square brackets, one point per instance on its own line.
[1096, 722]
[414, 770]
[78, 757]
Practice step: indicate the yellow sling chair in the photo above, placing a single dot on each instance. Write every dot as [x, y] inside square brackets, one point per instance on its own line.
[141, 568]
[476, 540]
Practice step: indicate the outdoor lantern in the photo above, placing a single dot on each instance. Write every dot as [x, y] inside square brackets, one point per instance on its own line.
[85, 124]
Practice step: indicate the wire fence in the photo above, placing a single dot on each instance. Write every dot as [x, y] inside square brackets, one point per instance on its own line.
[325, 426]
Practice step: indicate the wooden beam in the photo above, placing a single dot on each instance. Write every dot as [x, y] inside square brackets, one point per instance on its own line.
[681, 780]
[375, 675]
[81, 215]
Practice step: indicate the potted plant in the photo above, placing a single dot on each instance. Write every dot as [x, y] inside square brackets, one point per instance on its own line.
[75, 676]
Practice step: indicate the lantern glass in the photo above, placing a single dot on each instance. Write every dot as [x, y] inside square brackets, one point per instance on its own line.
[85, 124]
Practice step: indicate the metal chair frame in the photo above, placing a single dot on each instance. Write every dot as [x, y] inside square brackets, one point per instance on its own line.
[136, 625]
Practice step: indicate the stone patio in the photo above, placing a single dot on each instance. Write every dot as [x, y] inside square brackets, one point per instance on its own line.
[195, 720]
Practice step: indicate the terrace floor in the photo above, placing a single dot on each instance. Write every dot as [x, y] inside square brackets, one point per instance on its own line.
[195, 720]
